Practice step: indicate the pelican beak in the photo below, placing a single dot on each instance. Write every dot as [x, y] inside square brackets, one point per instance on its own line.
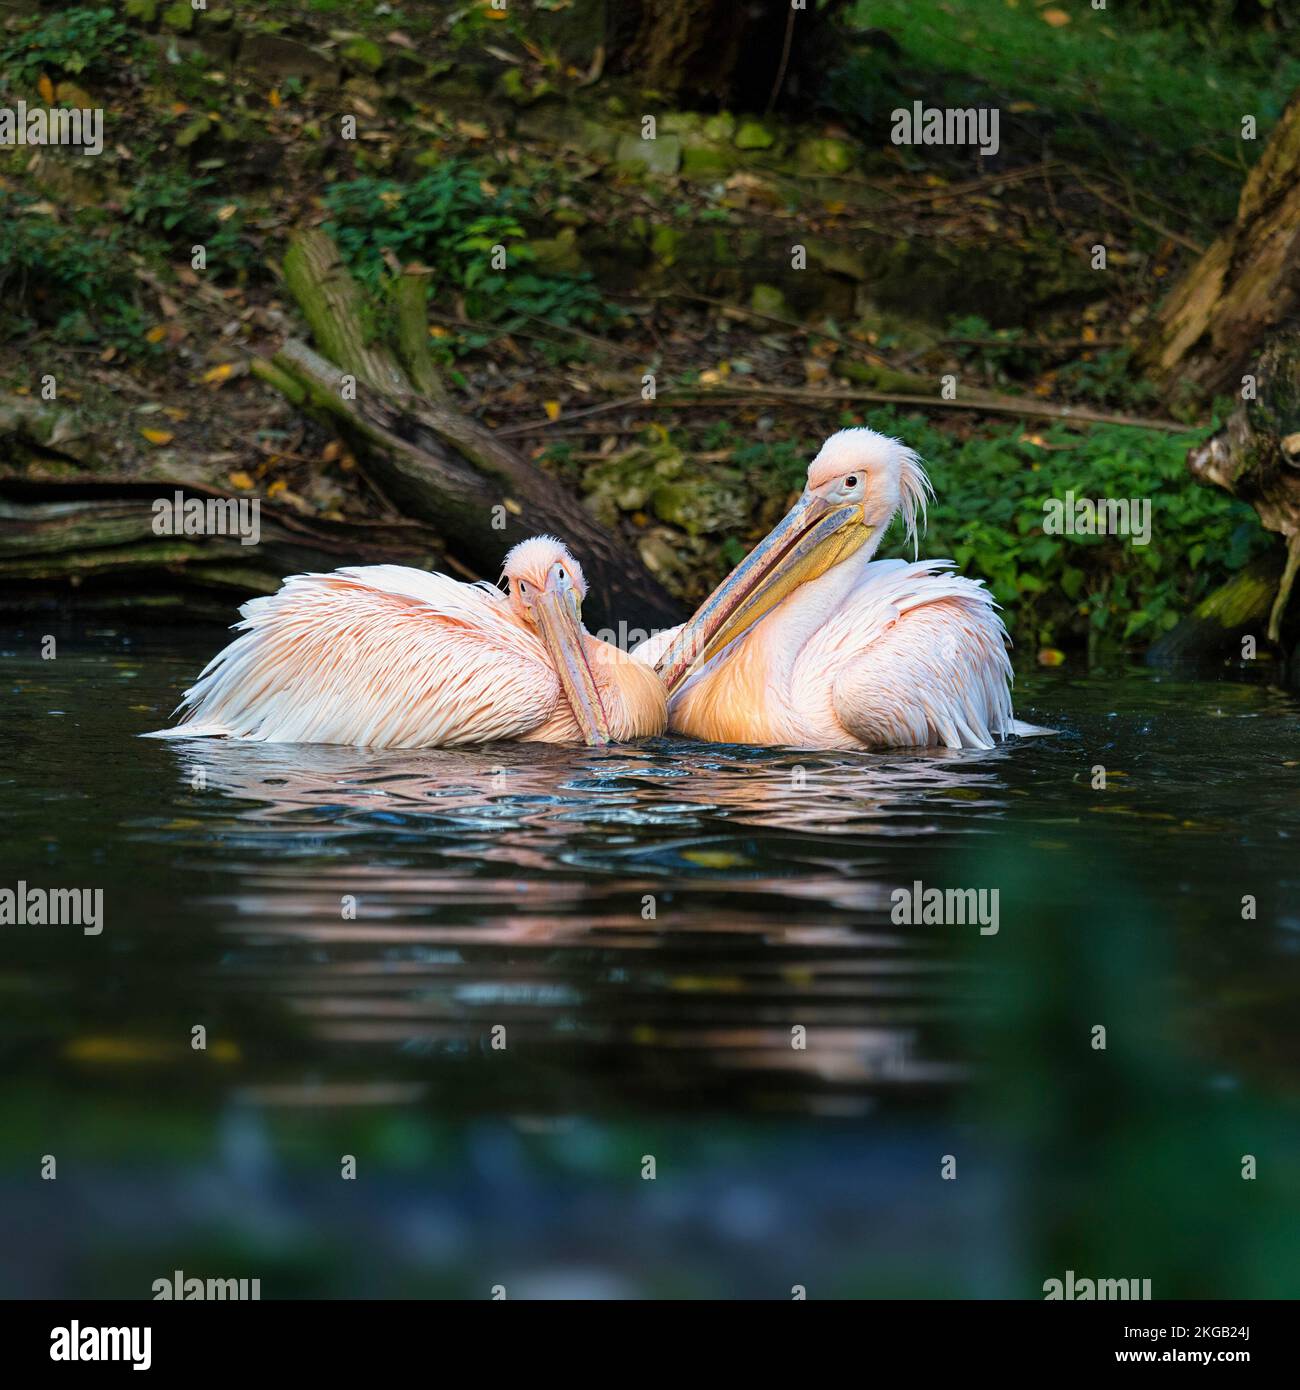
[558, 611]
[814, 535]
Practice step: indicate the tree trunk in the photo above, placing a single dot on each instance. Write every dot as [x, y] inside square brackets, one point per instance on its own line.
[1256, 457]
[743, 54]
[1208, 332]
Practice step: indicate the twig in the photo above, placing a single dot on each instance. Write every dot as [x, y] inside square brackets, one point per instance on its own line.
[785, 58]
[1134, 215]
[794, 325]
[793, 395]
[1036, 344]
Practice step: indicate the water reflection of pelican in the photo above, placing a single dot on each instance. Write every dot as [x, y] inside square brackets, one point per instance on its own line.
[505, 786]
[509, 884]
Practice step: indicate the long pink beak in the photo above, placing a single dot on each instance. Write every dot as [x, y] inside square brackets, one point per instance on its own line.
[559, 618]
[769, 571]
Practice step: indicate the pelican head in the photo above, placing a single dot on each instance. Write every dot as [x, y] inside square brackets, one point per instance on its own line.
[546, 589]
[857, 484]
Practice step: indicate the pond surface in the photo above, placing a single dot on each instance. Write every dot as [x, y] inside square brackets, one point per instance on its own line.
[503, 980]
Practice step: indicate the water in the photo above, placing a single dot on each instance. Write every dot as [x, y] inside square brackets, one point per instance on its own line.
[503, 980]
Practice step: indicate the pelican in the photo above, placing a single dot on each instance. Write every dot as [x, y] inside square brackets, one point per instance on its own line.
[383, 656]
[811, 643]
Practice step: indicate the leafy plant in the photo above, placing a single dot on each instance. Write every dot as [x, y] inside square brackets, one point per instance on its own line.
[83, 39]
[59, 275]
[173, 203]
[451, 219]
[988, 516]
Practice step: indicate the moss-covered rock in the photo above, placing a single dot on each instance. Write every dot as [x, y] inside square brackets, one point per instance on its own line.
[703, 503]
[558, 123]
[626, 484]
[665, 243]
[825, 156]
[179, 17]
[558, 255]
[767, 299]
[753, 134]
[362, 53]
[720, 127]
[704, 159]
[662, 155]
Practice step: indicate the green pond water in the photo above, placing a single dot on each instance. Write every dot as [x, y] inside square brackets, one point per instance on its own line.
[503, 981]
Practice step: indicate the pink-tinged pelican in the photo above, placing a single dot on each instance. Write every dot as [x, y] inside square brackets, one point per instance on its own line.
[810, 643]
[383, 656]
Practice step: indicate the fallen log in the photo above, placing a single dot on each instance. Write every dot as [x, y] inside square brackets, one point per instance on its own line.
[97, 539]
[436, 463]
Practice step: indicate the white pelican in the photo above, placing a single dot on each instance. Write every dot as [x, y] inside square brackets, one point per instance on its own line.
[810, 643]
[389, 657]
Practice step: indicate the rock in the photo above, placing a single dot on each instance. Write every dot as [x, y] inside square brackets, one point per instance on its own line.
[277, 57]
[179, 17]
[625, 484]
[767, 299]
[720, 127]
[706, 160]
[825, 156]
[753, 135]
[838, 258]
[557, 255]
[555, 123]
[660, 156]
[363, 53]
[703, 503]
[665, 243]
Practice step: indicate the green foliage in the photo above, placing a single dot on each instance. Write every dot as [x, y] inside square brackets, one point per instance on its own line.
[450, 219]
[62, 276]
[82, 40]
[176, 205]
[1062, 589]
[167, 199]
[1107, 379]
[1089, 88]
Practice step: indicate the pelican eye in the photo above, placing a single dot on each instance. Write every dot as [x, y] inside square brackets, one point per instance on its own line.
[851, 481]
